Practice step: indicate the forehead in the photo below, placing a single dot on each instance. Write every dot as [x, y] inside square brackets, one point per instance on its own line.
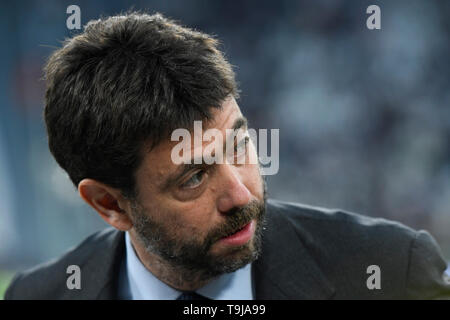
[157, 164]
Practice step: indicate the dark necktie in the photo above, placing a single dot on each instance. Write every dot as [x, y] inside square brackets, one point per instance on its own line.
[191, 295]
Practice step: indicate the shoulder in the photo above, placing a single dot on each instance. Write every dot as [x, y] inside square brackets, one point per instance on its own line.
[337, 228]
[345, 245]
[337, 223]
[48, 280]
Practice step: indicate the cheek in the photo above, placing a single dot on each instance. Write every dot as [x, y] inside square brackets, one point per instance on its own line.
[255, 181]
[193, 219]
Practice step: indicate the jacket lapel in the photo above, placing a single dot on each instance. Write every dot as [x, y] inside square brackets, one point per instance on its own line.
[286, 270]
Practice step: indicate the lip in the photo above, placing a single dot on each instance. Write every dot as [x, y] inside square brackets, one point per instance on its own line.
[240, 237]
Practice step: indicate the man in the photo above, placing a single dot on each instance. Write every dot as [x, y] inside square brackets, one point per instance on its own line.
[195, 230]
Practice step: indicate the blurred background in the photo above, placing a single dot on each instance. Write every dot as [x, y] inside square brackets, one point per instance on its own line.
[364, 115]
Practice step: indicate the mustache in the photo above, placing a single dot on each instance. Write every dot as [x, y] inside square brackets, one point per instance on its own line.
[237, 218]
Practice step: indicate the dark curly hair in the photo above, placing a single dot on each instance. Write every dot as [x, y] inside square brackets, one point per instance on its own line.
[124, 84]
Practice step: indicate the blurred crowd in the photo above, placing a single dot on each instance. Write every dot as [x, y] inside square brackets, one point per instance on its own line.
[364, 115]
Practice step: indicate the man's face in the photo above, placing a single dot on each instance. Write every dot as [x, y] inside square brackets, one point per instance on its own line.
[190, 215]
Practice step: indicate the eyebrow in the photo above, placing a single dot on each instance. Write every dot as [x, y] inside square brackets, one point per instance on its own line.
[239, 123]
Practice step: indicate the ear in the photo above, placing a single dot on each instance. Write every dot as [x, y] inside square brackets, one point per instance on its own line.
[108, 202]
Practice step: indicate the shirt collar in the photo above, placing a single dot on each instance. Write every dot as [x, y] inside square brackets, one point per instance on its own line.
[143, 285]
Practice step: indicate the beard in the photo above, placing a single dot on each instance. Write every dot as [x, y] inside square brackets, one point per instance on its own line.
[192, 256]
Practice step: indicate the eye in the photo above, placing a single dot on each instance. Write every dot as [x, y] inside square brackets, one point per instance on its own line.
[195, 180]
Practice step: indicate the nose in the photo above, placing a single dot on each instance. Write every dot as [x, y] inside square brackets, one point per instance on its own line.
[235, 193]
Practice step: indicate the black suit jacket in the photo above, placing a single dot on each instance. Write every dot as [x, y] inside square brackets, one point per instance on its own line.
[308, 253]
